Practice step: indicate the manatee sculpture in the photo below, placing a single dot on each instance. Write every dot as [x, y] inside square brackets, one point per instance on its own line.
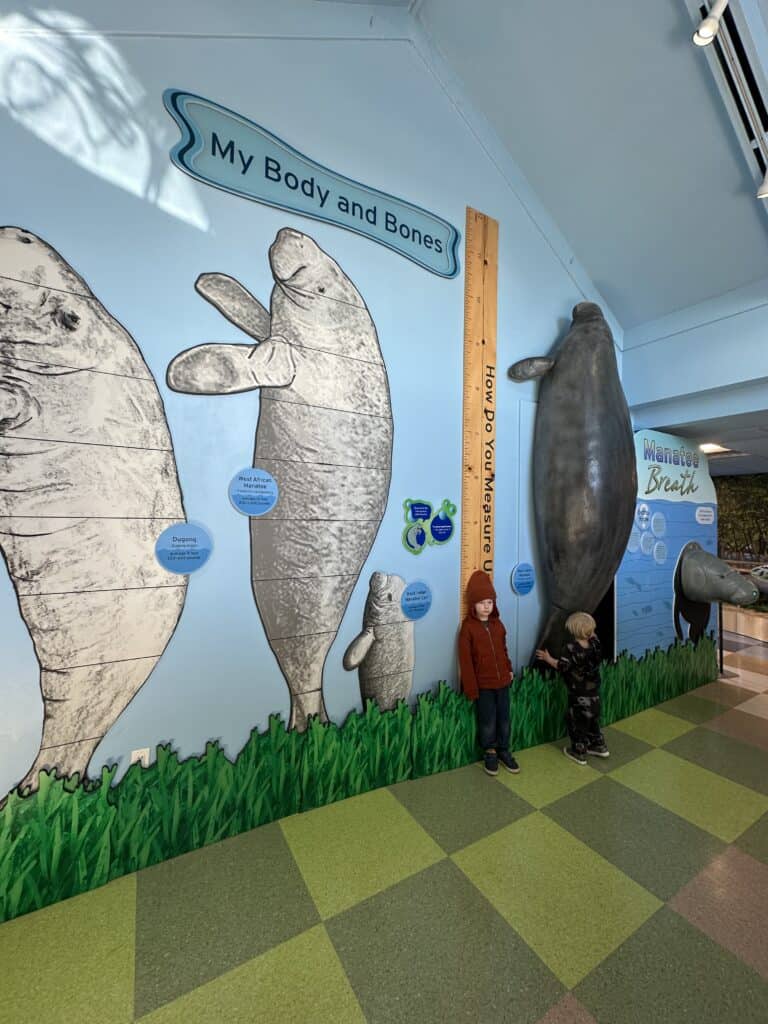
[324, 433]
[700, 579]
[584, 475]
[87, 483]
[383, 652]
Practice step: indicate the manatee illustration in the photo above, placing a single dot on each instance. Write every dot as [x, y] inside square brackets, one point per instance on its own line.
[324, 433]
[383, 653]
[87, 483]
[700, 579]
[584, 475]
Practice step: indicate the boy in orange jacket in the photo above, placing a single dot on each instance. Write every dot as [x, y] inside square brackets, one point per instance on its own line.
[486, 672]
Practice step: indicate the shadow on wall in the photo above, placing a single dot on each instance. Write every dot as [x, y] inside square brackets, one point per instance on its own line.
[70, 87]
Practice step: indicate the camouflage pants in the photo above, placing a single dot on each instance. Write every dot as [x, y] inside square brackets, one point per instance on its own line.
[582, 720]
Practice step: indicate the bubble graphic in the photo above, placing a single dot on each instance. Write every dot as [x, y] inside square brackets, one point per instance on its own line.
[646, 543]
[658, 524]
[660, 552]
[642, 516]
[634, 541]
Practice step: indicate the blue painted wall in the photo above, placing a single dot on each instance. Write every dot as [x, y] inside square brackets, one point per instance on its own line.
[85, 142]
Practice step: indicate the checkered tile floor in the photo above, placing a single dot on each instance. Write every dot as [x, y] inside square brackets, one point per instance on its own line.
[630, 891]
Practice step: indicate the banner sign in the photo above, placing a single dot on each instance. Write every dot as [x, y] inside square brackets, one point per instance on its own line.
[676, 504]
[226, 150]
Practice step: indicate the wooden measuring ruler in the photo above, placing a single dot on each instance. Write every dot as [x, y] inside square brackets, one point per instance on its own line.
[478, 488]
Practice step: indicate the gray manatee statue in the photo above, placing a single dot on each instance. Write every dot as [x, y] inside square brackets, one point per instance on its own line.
[584, 474]
[324, 433]
[88, 481]
[700, 579]
[383, 653]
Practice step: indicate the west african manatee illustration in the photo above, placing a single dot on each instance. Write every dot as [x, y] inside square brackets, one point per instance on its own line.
[87, 482]
[324, 433]
[383, 652]
[584, 475]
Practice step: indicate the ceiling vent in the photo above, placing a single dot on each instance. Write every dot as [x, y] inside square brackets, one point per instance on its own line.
[734, 63]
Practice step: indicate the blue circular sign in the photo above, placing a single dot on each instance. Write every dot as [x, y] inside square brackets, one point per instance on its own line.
[441, 527]
[416, 600]
[523, 578]
[253, 491]
[183, 548]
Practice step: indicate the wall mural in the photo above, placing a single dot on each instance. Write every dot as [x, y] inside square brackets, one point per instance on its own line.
[584, 476]
[88, 481]
[743, 512]
[383, 652]
[324, 434]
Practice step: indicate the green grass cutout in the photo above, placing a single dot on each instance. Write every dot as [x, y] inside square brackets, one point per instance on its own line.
[70, 837]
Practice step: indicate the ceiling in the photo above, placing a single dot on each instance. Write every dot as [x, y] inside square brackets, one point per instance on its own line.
[614, 118]
[745, 435]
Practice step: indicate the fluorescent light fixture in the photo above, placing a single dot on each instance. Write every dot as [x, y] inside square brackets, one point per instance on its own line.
[710, 26]
[762, 192]
[711, 449]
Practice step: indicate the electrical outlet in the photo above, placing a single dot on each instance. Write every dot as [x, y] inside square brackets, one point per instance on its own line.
[142, 756]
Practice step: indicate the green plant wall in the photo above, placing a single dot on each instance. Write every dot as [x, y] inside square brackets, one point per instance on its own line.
[69, 837]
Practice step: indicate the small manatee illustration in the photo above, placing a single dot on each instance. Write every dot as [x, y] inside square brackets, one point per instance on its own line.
[383, 652]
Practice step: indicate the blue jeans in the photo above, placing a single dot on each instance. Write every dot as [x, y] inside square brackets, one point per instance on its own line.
[493, 719]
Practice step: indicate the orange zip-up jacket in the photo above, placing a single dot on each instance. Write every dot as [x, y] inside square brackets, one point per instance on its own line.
[483, 660]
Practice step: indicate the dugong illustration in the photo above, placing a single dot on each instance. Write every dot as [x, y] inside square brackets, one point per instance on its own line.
[383, 652]
[87, 483]
[701, 578]
[324, 433]
[584, 475]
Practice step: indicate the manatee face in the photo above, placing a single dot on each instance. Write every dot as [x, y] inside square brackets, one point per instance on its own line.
[707, 578]
[308, 275]
[383, 604]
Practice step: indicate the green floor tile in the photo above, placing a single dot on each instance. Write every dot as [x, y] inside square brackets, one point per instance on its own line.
[71, 963]
[353, 849]
[736, 761]
[755, 840]
[432, 949]
[669, 972]
[717, 805]
[546, 775]
[654, 727]
[728, 694]
[616, 822]
[692, 709]
[623, 747]
[459, 807]
[200, 915]
[300, 980]
[543, 880]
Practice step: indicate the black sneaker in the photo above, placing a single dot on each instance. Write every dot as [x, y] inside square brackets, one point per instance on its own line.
[575, 755]
[491, 763]
[599, 750]
[509, 762]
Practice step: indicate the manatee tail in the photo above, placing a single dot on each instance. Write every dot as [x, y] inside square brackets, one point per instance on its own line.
[553, 636]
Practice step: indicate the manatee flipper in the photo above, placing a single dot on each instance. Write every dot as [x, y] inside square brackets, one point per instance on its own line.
[219, 369]
[357, 650]
[236, 303]
[676, 615]
[531, 368]
[554, 636]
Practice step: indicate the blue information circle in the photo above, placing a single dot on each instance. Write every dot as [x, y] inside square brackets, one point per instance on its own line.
[416, 600]
[523, 578]
[441, 527]
[253, 491]
[183, 548]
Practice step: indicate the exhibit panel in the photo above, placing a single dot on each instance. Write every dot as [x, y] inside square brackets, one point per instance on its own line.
[676, 506]
[232, 309]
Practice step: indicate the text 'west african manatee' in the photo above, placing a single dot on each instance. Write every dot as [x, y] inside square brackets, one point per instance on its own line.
[226, 150]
